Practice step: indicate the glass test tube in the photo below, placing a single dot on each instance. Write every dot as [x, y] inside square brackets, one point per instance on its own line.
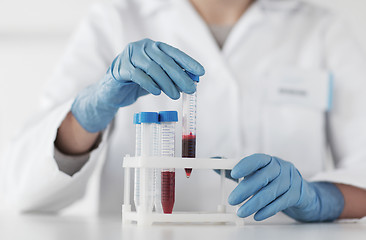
[137, 123]
[167, 121]
[189, 124]
[149, 147]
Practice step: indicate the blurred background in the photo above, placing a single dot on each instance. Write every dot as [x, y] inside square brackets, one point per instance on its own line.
[33, 37]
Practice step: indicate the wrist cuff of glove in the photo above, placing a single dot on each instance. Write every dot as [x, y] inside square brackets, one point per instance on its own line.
[331, 201]
[92, 118]
[327, 203]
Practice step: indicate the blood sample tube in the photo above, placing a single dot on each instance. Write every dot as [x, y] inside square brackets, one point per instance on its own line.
[189, 124]
[149, 147]
[137, 123]
[167, 121]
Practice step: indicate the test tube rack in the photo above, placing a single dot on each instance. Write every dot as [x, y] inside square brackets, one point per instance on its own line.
[220, 216]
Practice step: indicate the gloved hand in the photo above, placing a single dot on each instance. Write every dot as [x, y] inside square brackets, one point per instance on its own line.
[276, 185]
[143, 67]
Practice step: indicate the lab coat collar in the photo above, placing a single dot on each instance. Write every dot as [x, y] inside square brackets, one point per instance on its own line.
[192, 24]
[256, 13]
[252, 16]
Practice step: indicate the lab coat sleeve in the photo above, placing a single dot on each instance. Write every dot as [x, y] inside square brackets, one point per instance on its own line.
[346, 122]
[33, 181]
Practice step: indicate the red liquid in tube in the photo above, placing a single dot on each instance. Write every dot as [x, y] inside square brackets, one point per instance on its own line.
[167, 191]
[189, 149]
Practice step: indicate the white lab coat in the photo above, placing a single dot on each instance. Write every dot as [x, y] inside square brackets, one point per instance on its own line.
[266, 91]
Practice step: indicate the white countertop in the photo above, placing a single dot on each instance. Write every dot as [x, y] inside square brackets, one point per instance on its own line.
[39, 227]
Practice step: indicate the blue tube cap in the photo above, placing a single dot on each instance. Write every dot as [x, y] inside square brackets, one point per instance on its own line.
[193, 77]
[149, 117]
[136, 118]
[168, 116]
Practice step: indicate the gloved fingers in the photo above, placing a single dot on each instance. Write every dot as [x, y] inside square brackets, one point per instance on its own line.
[142, 92]
[158, 75]
[182, 59]
[265, 196]
[254, 182]
[283, 202]
[250, 164]
[174, 71]
[141, 78]
[132, 73]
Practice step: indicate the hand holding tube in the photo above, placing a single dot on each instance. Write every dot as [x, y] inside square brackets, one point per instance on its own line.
[143, 67]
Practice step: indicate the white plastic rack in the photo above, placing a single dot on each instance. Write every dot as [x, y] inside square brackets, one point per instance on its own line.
[221, 216]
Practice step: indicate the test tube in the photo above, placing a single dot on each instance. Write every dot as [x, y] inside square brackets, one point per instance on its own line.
[149, 147]
[137, 123]
[167, 121]
[189, 124]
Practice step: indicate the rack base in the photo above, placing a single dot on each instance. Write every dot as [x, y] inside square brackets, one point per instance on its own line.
[147, 219]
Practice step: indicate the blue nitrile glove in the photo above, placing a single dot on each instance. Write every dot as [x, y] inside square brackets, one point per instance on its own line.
[276, 185]
[143, 67]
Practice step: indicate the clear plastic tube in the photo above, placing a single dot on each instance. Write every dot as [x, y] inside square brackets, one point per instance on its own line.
[189, 127]
[138, 139]
[168, 121]
[149, 147]
[136, 195]
[157, 184]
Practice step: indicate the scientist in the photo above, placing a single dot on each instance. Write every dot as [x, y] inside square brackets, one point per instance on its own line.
[282, 78]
